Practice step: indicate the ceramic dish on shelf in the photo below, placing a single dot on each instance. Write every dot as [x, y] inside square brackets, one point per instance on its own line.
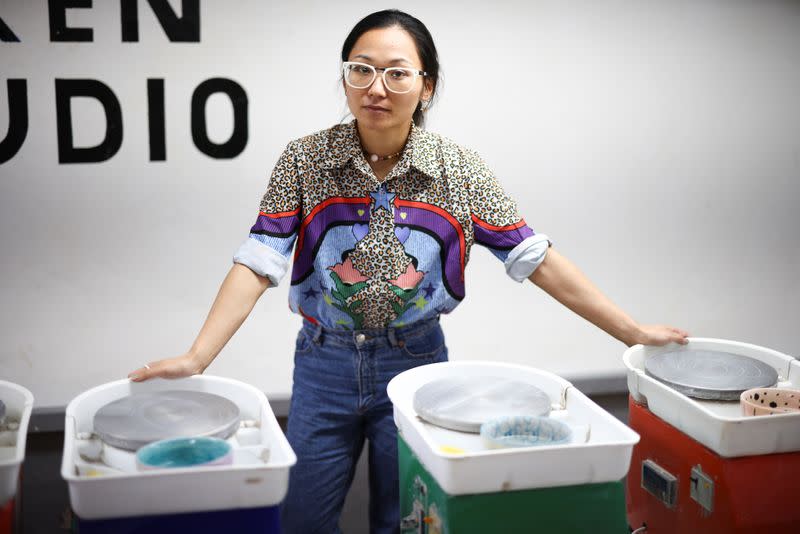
[524, 431]
[184, 452]
[769, 401]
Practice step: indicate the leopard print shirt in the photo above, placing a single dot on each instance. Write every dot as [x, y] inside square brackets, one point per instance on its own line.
[370, 253]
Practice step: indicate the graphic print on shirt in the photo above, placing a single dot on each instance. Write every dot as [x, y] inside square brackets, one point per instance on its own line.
[447, 233]
[372, 253]
[377, 280]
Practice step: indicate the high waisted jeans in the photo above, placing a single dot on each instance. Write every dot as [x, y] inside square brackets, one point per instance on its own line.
[339, 399]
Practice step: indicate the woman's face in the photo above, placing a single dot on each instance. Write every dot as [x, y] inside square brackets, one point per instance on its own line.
[375, 107]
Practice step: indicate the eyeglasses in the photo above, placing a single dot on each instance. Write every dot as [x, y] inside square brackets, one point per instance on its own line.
[395, 79]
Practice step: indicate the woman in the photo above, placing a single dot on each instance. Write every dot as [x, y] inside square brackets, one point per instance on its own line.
[382, 215]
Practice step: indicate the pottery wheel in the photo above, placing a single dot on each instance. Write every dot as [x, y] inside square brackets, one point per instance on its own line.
[465, 403]
[136, 420]
[711, 375]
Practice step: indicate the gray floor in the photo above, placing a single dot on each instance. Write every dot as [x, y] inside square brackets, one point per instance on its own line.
[46, 501]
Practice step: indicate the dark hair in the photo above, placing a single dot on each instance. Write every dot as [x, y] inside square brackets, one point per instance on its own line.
[422, 38]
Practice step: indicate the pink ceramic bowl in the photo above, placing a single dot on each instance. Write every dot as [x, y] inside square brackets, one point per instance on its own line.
[768, 401]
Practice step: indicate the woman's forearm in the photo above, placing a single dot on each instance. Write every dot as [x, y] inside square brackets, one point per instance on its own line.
[237, 295]
[562, 280]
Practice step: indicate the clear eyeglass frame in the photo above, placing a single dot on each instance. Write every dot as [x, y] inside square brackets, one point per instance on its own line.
[385, 70]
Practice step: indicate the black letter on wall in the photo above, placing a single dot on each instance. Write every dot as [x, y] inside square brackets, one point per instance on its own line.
[6, 35]
[155, 112]
[17, 119]
[238, 140]
[58, 22]
[183, 29]
[66, 90]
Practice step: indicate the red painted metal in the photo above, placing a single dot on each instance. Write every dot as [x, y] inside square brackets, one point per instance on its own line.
[751, 493]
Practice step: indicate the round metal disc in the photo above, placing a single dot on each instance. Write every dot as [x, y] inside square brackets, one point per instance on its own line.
[134, 421]
[712, 375]
[465, 403]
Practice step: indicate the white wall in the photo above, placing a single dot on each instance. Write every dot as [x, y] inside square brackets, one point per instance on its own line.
[657, 143]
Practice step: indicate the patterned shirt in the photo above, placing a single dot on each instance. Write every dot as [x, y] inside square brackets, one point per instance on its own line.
[372, 253]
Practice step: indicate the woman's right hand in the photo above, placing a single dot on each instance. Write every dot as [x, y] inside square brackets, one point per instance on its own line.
[178, 367]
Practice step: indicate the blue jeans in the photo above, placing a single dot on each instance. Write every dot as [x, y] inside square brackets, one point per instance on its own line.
[339, 399]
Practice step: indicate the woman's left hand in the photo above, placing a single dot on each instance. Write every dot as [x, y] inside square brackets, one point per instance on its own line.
[659, 334]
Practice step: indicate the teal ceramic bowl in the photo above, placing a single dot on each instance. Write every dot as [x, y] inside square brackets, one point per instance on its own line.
[524, 431]
[184, 452]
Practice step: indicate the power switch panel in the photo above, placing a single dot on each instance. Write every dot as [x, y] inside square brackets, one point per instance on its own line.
[701, 488]
[660, 483]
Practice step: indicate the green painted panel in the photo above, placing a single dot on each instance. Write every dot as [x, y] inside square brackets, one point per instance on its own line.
[595, 508]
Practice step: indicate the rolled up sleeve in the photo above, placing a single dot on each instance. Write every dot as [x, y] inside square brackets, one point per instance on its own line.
[267, 249]
[526, 257]
[498, 226]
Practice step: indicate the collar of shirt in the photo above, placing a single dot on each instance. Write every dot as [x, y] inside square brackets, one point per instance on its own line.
[420, 152]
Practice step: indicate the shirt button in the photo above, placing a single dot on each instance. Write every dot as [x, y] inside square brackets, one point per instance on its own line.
[360, 338]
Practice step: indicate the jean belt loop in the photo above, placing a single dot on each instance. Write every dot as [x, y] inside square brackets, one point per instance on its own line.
[392, 337]
[318, 334]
